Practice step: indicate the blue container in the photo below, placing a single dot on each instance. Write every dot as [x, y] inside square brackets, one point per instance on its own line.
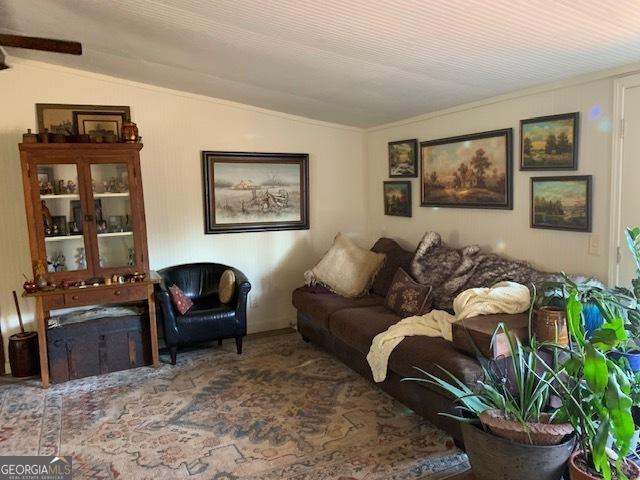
[593, 319]
[632, 357]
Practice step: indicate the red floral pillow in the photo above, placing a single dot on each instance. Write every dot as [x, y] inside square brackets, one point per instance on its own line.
[180, 300]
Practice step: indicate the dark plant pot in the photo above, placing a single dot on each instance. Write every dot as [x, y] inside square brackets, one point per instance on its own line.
[635, 413]
[494, 458]
[632, 357]
[576, 473]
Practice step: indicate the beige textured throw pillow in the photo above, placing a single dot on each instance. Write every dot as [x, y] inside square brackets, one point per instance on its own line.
[227, 286]
[346, 269]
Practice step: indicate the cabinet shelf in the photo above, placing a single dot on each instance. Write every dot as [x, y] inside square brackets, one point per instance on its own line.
[68, 196]
[62, 238]
[110, 195]
[114, 234]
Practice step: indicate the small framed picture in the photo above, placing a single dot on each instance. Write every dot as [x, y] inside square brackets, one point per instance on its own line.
[561, 203]
[403, 158]
[550, 143]
[59, 228]
[397, 198]
[99, 124]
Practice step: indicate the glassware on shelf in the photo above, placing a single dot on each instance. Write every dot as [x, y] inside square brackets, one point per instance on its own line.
[62, 215]
[110, 183]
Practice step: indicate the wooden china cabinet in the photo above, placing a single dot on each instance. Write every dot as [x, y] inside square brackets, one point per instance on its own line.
[86, 220]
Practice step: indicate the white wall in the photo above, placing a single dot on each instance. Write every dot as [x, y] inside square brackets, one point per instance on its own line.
[506, 231]
[176, 127]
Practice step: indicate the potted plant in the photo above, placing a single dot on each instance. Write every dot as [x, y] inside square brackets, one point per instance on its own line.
[508, 427]
[595, 391]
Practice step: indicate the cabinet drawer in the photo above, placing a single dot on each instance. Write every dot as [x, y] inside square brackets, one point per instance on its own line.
[91, 297]
[53, 302]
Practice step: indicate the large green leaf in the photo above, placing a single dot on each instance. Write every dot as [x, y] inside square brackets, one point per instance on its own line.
[619, 407]
[599, 451]
[596, 372]
[610, 334]
[574, 318]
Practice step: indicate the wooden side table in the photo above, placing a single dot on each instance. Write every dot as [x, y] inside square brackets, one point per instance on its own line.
[99, 295]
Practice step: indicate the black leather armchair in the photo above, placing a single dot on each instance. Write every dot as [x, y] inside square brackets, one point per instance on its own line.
[208, 319]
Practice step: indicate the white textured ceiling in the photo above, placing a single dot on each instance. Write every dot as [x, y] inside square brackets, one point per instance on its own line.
[357, 62]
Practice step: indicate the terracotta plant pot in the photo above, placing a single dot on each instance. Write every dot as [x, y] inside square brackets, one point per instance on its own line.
[495, 458]
[576, 473]
[542, 433]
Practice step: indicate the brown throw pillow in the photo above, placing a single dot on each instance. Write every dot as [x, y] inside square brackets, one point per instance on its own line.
[406, 297]
[396, 257]
[180, 300]
[227, 286]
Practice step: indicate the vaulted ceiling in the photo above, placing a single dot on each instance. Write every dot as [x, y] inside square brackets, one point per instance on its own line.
[356, 62]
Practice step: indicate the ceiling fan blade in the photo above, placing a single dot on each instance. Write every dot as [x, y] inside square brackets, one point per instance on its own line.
[45, 44]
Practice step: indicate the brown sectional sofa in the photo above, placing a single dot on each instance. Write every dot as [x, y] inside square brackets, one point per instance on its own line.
[346, 327]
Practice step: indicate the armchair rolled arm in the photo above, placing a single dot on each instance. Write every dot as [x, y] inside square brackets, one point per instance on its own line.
[243, 287]
[168, 315]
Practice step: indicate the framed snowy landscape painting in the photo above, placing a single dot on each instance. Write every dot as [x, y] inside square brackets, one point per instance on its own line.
[248, 192]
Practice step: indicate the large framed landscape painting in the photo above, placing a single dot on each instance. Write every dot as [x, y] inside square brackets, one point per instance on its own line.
[470, 171]
[397, 198]
[561, 203]
[248, 192]
[403, 158]
[550, 143]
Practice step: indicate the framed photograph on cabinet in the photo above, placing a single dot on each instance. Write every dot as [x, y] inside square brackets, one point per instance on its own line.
[255, 192]
[550, 143]
[561, 203]
[469, 171]
[403, 158]
[99, 124]
[397, 198]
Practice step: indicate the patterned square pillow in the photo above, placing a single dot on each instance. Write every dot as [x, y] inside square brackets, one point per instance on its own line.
[180, 300]
[406, 297]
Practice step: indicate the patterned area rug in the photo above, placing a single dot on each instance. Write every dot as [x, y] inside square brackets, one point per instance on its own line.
[284, 409]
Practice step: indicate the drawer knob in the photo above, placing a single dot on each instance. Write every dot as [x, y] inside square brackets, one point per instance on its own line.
[74, 297]
[117, 292]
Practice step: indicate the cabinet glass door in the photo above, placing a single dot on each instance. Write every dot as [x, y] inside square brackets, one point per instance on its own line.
[62, 217]
[113, 215]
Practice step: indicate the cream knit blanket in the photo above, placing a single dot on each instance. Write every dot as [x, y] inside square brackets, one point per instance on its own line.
[503, 297]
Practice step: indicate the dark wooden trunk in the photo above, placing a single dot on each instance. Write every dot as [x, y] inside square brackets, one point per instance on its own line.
[98, 346]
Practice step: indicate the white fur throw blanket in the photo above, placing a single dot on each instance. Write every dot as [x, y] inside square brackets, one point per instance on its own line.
[503, 297]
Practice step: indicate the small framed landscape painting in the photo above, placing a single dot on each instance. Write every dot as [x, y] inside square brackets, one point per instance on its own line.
[98, 124]
[397, 198]
[471, 171]
[249, 192]
[403, 158]
[550, 143]
[561, 203]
